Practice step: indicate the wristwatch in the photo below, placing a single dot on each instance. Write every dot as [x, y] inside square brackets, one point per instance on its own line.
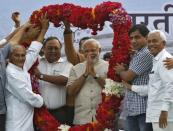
[41, 76]
[85, 75]
[97, 76]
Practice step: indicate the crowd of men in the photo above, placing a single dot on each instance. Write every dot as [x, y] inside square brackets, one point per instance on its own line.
[71, 90]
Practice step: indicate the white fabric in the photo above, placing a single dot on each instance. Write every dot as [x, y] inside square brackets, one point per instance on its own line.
[160, 89]
[169, 127]
[20, 99]
[142, 91]
[89, 97]
[54, 95]
[3, 41]
[160, 95]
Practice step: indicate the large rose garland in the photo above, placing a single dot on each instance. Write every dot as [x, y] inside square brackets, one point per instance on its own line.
[94, 19]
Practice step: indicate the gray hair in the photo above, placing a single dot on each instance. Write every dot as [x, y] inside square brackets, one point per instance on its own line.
[91, 40]
[14, 47]
[161, 33]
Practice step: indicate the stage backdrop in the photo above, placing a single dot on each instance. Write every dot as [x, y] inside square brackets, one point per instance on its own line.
[156, 14]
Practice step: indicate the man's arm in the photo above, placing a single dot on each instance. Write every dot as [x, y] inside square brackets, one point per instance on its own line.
[20, 90]
[6, 40]
[73, 56]
[13, 38]
[126, 75]
[75, 85]
[16, 38]
[35, 47]
[141, 90]
[57, 80]
[16, 18]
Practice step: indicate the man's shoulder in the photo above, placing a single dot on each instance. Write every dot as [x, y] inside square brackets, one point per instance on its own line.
[11, 70]
[79, 65]
[144, 54]
[104, 62]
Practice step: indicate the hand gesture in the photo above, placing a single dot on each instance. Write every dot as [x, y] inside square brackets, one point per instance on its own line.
[44, 21]
[163, 119]
[168, 63]
[31, 32]
[36, 72]
[90, 66]
[119, 68]
[16, 18]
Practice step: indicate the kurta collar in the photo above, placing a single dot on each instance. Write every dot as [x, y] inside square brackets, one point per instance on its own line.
[159, 55]
[14, 66]
[59, 61]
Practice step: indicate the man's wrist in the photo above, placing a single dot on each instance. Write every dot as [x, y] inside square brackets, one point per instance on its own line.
[41, 76]
[119, 72]
[17, 24]
[68, 31]
[96, 76]
[85, 75]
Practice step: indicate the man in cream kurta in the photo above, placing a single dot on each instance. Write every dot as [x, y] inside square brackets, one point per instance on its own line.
[86, 81]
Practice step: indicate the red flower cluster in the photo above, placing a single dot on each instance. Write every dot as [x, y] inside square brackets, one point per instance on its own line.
[107, 109]
[94, 19]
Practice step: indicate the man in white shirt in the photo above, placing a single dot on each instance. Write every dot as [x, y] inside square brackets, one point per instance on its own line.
[20, 99]
[53, 74]
[86, 82]
[160, 87]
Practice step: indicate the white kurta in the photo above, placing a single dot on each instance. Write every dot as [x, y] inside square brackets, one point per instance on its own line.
[19, 97]
[159, 89]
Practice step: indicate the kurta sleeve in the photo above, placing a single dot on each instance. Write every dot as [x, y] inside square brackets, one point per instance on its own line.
[32, 54]
[72, 76]
[6, 50]
[19, 89]
[167, 80]
[141, 90]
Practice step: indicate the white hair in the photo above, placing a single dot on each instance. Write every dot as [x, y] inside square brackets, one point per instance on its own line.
[14, 47]
[161, 33]
[91, 40]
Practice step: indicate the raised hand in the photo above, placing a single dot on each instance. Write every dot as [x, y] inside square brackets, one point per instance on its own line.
[44, 21]
[16, 18]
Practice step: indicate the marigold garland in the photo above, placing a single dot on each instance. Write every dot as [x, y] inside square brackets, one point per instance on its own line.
[94, 19]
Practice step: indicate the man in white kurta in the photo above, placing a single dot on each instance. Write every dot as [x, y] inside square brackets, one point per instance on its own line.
[20, 99]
